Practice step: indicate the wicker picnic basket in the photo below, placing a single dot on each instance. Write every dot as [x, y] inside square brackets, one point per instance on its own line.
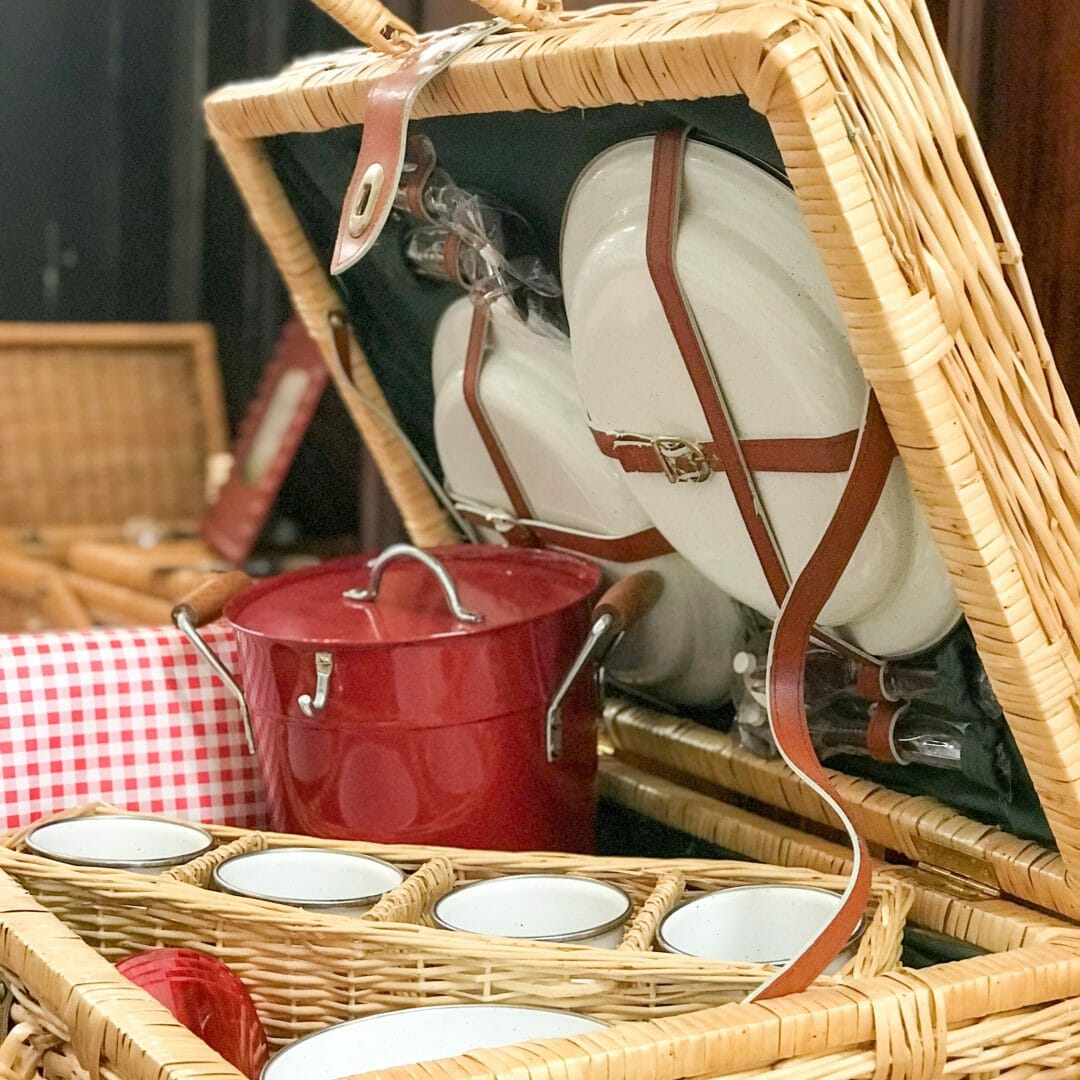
[895, 191]
[107, 427]
[885, 163]
[1011, 1013]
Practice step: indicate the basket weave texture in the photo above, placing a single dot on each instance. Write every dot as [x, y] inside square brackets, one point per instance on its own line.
[390, 958]
[1011, 1015]
[885, 162]
[106, 422]
[70, 1015]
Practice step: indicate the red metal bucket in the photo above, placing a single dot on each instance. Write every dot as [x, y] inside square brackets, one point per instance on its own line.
[412, 698]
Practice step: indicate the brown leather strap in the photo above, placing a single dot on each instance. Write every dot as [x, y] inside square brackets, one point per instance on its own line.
[377, 174]
[474, 363]
[647, 454]
[787, 674]
[879, 732]
[663, 223]
[452, 257]
[633, 547]
[801, 604]
[868, 682]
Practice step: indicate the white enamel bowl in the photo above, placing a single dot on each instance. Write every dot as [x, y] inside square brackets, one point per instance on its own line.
[136, 842]
[774, 332]
[541, 907]
[681, 650]
[410, 1036]
[756, 924]
[337, 882]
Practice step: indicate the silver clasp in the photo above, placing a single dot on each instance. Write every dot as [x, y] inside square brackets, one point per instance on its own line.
[324, 666]
[682, 461]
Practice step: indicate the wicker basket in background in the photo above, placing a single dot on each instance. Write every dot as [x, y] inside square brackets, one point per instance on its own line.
[110, 430]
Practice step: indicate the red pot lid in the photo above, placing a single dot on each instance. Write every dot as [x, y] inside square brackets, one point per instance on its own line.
[507, 586]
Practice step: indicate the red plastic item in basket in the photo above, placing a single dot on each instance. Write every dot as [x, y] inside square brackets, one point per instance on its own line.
[208, 999]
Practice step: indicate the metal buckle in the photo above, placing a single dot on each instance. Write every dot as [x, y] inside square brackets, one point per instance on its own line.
[682, 461]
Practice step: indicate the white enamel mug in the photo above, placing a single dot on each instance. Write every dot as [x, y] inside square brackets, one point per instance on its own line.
[410, 1036]
[542, 907]
[754, 924]
[137, 842]
[318, 879]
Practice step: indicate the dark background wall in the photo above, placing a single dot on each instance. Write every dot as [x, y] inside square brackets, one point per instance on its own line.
[112, 206]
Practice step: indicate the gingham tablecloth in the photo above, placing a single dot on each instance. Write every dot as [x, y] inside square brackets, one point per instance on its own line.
[129, 716]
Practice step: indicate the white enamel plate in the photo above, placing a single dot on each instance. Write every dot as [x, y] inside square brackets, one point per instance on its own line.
[682, 650]
[774, 332]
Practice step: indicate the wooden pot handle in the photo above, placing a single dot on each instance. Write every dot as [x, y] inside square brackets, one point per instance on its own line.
[374, 24]
[630, 599]
[204, 603]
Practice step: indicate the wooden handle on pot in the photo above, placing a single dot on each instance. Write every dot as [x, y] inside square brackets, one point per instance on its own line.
[204, 603]
[374, 24]
[630, 599]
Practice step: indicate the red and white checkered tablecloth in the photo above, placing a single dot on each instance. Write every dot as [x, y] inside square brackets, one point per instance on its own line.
[129, 716]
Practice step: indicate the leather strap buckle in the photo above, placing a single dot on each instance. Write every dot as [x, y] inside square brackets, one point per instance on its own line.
[682, 461]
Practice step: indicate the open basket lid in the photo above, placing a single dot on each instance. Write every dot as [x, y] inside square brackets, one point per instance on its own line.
[915, 264]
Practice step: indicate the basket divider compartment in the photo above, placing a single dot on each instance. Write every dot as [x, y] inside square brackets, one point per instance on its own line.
[641, 930]
[413, 898]
[199, 871]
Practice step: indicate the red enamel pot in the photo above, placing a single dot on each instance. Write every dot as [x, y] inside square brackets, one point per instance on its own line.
[440, 697]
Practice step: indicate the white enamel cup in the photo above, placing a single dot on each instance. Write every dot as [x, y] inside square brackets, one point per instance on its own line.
[335, 882]
[756, 924]
[137, 842]
[542, 907]
[410, 1036]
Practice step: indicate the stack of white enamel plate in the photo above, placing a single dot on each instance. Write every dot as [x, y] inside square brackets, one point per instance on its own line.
[779, 352]
[682, 650]
[780, 356]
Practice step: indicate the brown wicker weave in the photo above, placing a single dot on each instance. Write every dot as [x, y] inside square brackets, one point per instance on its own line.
[896, 193]
[918, 827]
[105, 425]
[73, 1015]
[391, 958]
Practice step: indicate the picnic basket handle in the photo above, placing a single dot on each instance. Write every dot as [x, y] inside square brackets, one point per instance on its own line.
[374, 24]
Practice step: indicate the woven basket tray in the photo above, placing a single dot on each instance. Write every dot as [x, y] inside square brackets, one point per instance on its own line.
[391, 958]
[885, 163]
[1011, 1014]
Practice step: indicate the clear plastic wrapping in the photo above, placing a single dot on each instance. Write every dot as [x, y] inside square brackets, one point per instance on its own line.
[483, 246]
